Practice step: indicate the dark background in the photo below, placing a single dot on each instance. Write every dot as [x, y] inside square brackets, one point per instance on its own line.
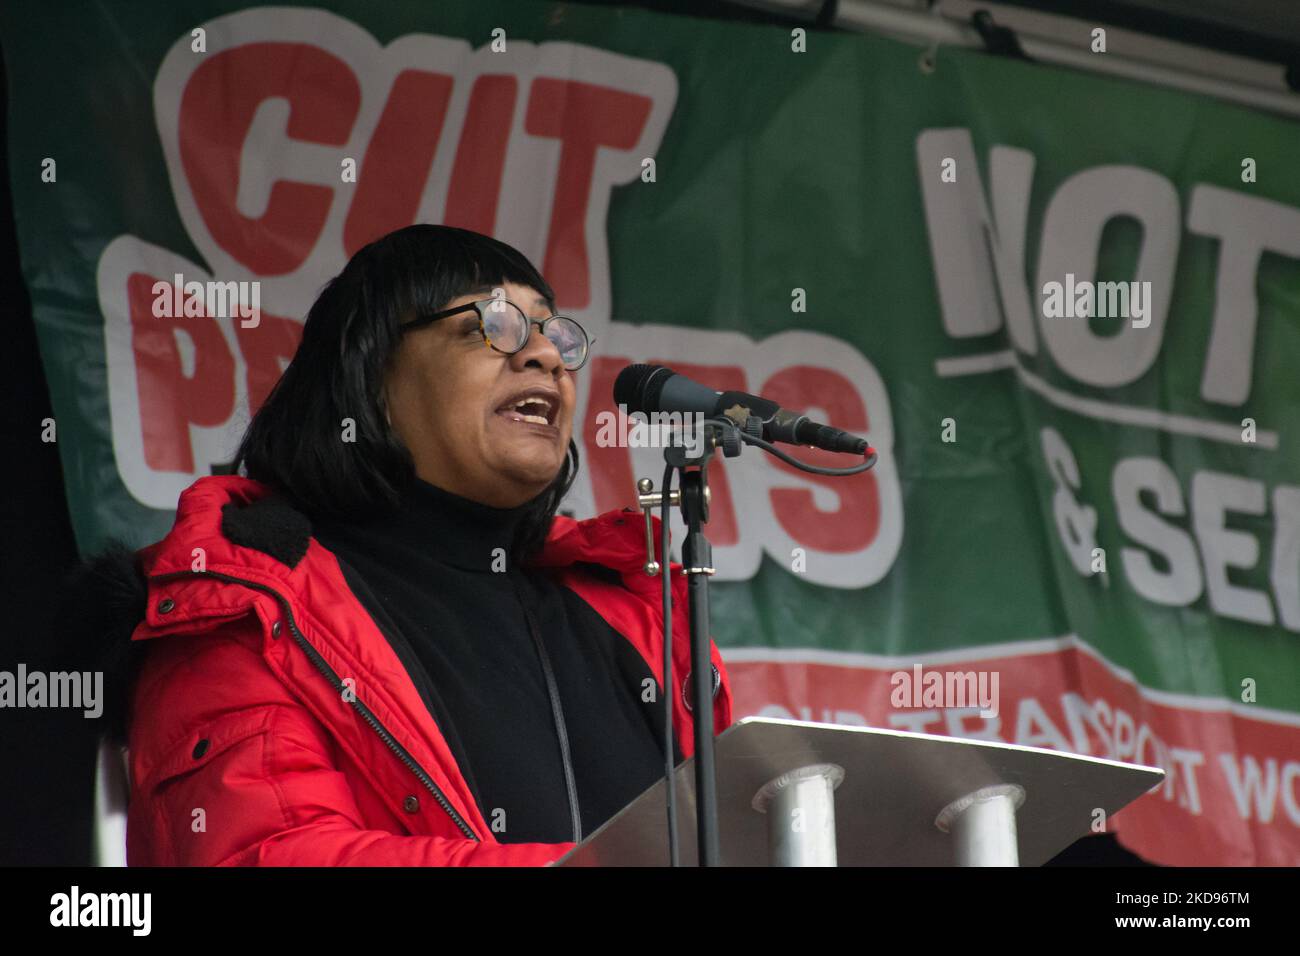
[46, 795]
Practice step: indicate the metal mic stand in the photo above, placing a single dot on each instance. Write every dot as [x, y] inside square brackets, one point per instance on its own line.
[697, 562]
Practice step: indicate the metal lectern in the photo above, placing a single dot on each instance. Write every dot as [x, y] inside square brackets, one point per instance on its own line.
[795, 793]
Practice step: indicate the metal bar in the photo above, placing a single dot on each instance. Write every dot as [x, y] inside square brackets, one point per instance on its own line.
[800, 808]
[983, 826]
[930, 28]
[111, 795]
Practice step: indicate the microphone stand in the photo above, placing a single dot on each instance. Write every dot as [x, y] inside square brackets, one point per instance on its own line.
[697, 562]
[729, 431]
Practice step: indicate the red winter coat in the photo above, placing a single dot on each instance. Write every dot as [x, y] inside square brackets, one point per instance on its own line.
[243, 749]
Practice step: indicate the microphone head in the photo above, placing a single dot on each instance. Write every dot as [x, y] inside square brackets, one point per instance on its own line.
[638, 387]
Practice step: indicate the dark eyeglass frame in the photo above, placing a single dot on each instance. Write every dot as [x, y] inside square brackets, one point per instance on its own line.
[423, 320]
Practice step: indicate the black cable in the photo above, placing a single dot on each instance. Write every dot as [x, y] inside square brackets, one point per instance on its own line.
[789, 460]
[666, 582]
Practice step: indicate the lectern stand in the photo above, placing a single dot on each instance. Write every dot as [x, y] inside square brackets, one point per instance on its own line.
[794, 793]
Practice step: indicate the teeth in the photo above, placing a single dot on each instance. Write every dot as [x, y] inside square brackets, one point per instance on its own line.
[534, 400]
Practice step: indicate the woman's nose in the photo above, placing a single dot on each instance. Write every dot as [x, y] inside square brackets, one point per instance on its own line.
[539, 349]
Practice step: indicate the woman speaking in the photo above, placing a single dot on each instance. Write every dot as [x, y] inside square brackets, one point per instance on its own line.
[379, 644]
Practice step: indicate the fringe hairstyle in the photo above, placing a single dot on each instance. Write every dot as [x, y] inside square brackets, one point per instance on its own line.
[350, 336]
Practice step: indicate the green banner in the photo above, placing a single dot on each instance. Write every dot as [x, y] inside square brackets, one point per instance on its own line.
[1064, 308]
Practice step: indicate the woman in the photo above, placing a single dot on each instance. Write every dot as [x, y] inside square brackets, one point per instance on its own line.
[383, 646]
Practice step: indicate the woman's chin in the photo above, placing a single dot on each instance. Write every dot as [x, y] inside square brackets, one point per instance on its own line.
[530, 471]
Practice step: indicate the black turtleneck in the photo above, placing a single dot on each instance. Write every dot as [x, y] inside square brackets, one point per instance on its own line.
[436, 578]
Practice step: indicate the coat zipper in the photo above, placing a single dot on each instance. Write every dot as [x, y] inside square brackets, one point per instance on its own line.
[328, 672]
[557, 714]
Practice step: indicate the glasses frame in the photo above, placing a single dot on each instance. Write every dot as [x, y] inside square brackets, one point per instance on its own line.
[478, 305]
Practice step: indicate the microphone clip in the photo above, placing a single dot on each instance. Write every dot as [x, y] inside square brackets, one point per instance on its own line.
[647, 500]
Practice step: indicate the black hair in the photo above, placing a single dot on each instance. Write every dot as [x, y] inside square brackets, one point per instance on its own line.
[351, 334]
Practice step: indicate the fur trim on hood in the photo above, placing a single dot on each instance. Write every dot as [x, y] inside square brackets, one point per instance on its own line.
[104, 600]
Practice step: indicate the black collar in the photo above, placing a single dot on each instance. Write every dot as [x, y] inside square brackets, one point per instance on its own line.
[270, 525]
[432, 523]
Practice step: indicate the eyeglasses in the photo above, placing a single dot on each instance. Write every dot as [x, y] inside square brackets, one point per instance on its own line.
[507, 329]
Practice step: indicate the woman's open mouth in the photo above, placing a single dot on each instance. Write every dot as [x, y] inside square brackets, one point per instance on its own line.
[533, 407]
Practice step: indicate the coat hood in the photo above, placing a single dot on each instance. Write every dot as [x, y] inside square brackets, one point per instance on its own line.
[103, 601]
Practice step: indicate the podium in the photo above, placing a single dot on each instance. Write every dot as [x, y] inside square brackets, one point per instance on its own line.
[795, 793]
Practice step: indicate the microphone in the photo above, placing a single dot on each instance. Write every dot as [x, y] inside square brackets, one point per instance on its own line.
[656, 388]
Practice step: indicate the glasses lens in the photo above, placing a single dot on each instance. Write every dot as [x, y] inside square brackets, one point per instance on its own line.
[506, 327]
[570, 339]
